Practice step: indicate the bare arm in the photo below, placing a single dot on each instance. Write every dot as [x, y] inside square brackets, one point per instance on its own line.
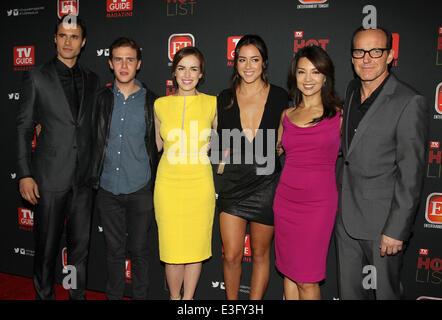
[215, 121]
[158, 139]
[279, 148]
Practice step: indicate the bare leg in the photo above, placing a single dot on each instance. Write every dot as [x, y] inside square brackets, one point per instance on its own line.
[233, 231]
[175, 278]
[309, 291]
[261, 242]
[291, 291]
[192, 273]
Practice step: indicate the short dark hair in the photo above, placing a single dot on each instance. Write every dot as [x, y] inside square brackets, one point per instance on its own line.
[188, 51]
[323, 63]
[76, 20]
[388, 35]
[124, 42]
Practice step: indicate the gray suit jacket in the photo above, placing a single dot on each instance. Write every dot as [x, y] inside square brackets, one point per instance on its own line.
[383, 167]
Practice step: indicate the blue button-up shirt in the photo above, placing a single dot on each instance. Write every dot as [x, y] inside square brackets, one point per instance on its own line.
[126, 166]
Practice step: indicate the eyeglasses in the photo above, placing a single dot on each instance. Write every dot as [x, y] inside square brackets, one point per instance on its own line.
[374, 53]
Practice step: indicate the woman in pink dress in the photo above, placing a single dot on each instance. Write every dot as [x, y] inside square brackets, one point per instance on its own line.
[306, 198]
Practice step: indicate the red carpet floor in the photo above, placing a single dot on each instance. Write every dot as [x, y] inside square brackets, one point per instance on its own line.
[20, 288]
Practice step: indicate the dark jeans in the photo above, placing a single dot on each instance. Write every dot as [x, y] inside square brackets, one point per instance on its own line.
[126, 220]
[54, 209]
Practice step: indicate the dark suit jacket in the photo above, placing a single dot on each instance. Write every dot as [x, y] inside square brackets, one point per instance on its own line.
[63, 151]
[383, 168]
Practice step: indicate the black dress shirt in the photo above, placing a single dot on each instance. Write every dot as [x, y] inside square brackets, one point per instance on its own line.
[358, 109]
[72, 82]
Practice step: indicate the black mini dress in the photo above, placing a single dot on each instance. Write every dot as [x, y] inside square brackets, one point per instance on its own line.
[246, 188]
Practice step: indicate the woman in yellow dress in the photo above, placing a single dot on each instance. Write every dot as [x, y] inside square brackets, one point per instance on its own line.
[184, 194]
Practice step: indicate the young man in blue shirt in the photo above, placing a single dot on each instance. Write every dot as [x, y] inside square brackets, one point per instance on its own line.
[124, 167]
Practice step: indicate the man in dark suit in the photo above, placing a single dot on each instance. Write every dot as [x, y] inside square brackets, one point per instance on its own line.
[59, 95]
[384, 134]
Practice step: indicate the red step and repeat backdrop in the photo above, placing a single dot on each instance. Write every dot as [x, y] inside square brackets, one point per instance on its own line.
[162, 27]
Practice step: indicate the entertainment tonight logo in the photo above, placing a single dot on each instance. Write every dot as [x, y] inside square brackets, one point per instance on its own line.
[128, 271]
[433, 211]
[178, 41]
[438, 102]
[247, 255]
[312, 4]
[395, 46]
[68, 7]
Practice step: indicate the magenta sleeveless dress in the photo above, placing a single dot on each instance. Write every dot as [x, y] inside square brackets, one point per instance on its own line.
[306, 199]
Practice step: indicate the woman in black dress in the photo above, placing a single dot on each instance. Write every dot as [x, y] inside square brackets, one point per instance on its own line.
[248, 119]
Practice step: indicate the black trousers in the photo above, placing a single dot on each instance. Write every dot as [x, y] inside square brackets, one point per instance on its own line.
[360, 259]
[53, 211]
[126, 220]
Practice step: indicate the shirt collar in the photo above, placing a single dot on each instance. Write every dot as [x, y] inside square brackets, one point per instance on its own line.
[374, 94]
[141, 91]
[61, 67]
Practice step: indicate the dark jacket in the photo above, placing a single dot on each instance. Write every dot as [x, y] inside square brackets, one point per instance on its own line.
[102, 117]
[62, 156]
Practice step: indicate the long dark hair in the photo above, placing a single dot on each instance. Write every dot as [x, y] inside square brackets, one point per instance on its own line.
[259, 43]
[322, 62]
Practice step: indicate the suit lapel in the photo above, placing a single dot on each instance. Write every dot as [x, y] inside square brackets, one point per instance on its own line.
[58, 90]
[83, 94]
[380, 102]
[346, 120]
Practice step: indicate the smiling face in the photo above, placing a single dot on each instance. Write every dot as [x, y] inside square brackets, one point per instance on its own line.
[125, 64]
[249, 64]
[187, 74]
[308, 79]
[372, 70]
[69, 42]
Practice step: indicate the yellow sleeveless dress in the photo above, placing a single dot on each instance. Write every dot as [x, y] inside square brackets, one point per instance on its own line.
[184, 194]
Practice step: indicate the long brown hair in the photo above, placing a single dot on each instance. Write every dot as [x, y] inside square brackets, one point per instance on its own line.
[188, 51]
[322, 62]
[259, 43]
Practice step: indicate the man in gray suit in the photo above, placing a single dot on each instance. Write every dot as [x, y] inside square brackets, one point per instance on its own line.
[384, 134]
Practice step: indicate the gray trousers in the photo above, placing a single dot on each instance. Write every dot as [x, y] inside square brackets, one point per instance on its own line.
[362, 272]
